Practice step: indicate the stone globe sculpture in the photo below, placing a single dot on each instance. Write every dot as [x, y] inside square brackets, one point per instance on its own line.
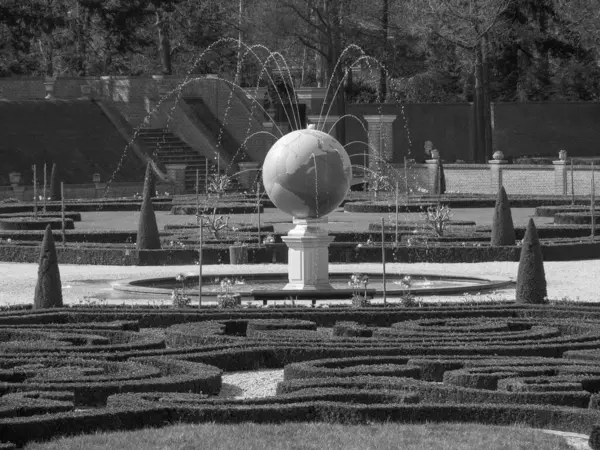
[307, 173]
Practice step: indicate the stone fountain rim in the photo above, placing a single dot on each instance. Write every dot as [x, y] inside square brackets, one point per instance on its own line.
[491, 282]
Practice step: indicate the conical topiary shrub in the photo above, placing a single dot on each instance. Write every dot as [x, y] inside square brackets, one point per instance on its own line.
[439, 183]
[503, 230]
[531, 278]
[594, 440]
[48, 290]
[149, 179]
[147, 237]
[55, 194]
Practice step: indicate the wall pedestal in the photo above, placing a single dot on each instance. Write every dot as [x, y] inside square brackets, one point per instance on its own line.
[308, 255]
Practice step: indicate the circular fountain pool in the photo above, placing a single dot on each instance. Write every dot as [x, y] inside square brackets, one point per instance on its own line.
[270, 286]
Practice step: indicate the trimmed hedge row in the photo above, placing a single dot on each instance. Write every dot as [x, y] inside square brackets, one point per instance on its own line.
[19, 404]
[89, 206]
[277, 253]
[550, 211]
[483, 201]
[74, 216]
[37, 428]
[91, 382]
[218, 208]
[29, 223]
[574, 218]
[19, 340]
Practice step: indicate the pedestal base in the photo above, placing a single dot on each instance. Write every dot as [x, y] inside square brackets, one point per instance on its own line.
[308, 255]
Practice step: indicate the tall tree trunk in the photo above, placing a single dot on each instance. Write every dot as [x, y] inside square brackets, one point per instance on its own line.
[164, 45]
[487, 107]
[384, 37]
[542, 52]
[479, 109]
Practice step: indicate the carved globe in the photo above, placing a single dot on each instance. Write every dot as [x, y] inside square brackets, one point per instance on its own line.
[307, 173]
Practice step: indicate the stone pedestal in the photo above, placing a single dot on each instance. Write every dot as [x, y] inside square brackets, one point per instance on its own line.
[560, 177]
[308, 255]
[496, 173]
[381, 139]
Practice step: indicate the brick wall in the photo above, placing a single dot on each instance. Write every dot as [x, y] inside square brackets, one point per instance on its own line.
[534, 180]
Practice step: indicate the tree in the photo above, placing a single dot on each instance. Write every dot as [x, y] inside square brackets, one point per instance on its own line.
[148, 237]
[439, 183]
[467, 24]
[503, 231]
[48, 289]
[531, 278]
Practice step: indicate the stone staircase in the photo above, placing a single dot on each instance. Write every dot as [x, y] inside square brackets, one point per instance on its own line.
[169, 149]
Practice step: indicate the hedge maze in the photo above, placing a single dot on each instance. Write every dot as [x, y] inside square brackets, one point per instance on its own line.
[79, 370]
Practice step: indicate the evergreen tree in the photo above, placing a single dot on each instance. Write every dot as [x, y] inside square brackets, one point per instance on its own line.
[55, 194]
[531, 278]
[48, 290]
[147, 237]
[439, 184]
[503, 230]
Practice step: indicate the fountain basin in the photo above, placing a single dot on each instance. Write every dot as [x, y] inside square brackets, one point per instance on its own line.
[271, 285]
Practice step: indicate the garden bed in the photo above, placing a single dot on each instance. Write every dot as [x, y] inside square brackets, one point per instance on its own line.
[496, 364]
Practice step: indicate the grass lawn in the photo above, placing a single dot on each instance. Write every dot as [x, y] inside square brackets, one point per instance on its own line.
[250, 436]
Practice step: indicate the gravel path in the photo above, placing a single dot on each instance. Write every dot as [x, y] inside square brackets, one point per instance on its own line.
[577, 280]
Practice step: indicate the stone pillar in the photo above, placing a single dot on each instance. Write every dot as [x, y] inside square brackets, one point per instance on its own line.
[432, 165]
[269, 139]
[326, 124]
[176, 172]
[308, 255]
[381, 139]
[496, 174]
[560, 177]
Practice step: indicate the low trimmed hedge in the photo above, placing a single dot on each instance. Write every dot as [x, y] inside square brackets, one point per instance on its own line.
[29, 223]
[74, 216]
[92, 382]
[221, 208]
[278, 253]
[20, 404]
[89, 206]
[38, 428]
[575, 218]
[550, 210]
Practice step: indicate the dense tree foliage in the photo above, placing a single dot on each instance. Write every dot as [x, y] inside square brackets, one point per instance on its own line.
[431, 50]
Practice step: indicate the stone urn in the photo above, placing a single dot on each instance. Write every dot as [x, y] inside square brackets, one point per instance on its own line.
[435, 154]
[562, 155]
[498, 156]
[96, 178]
[14, 177]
